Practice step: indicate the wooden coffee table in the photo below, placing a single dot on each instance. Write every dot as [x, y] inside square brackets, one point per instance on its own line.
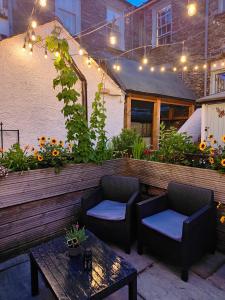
[67, 279]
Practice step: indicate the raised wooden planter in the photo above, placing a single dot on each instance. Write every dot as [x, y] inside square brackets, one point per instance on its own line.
[158, 175]
[38, 204]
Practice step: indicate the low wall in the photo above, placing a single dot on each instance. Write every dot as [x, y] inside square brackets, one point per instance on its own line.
[158, 175]
[38, 204]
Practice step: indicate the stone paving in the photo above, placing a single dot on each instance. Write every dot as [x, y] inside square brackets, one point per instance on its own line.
[156, 280]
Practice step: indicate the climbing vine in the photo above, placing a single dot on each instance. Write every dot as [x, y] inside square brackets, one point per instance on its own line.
[75, 115]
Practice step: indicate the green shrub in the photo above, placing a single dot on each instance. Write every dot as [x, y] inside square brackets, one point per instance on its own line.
[123, 143]
[138, 149]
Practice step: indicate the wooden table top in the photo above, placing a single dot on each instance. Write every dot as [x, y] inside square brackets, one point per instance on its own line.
[66, 275]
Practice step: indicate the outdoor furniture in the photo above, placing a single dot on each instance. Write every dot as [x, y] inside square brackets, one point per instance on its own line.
[109, 210]
[66, 276]
[179, 225]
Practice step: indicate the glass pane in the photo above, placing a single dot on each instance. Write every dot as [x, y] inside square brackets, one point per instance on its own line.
[173, 115]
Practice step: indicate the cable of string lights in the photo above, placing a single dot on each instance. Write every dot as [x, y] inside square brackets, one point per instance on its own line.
[30, 40]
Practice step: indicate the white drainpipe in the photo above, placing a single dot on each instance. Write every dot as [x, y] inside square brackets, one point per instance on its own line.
[206, 43]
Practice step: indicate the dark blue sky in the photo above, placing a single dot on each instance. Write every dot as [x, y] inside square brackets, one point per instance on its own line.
[136, 2]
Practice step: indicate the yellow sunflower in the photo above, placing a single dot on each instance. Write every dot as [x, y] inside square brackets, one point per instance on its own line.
[41, 144]
[202, 146]
[35, 153]
[61, 143]
[53, 141]
[42, 139]
[212, 151]
[223, 162]
[222, 219]
[55, 152]
[211, 160]
[223, 138]
[40, 157]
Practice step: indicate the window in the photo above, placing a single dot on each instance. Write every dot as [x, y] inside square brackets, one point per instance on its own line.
[173, 115]
[164, 26]
[117, 27]
[3, 8]
[221, 6]
[69, 13]
[220, 82]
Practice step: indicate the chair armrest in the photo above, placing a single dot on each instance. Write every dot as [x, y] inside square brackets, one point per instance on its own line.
[194, 224]
[91, 199]
[130, 204]
[152, 206]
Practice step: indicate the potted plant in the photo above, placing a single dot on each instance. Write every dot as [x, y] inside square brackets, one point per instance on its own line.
[75, 236]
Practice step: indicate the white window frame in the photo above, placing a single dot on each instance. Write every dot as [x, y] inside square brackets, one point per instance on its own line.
[221, 5]
[76, 14]
[121, 43]
[155, 9]
[214, 72]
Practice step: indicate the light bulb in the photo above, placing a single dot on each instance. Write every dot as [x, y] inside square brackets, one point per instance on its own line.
[81, 51]
[185, 68]
[99, 69]
[152, 69]
[222, 64]
[162, 69]
[145, 60]
[196, 68]
[33, 24]
[214, 65]
[192, 9]
[174, 69]
[114, 67]
[140, 68]
[56, 54]
[33, 36]
[118, 68]
[183, 58]
[204, 66]
[43, 3]
[112, 39]
[30, 45]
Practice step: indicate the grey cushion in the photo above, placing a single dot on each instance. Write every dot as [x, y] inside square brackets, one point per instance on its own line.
[167, 222]
[108, 210]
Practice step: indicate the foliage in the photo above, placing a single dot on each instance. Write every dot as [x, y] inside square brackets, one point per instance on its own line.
[138, 149]
[3, 172]
[173, 146]
[98, 122]
[75, 236]
[17, 159]
[124, 142]
[75, 115]
[52, 153]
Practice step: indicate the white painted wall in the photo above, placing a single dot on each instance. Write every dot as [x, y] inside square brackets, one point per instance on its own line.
[211, 119]
[27, 99]
[4, 26]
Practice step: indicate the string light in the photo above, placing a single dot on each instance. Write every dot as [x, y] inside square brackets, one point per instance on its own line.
[43, 3]
[152, 69]
[112, 39]
[114, 67]
[222, 64]
[204, 66]
[214, 65]
[33, 24]
[192, 9]
[183, 58]
[118, 68]
[185, 68]
[140, 68]
[196, 67]
[145, 60]
[174, 69]
[81, 51]
[99, 69]
[30, 45]
[162, 69]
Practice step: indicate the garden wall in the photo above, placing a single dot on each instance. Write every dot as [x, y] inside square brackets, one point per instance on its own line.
[158, 175]
[38, 204]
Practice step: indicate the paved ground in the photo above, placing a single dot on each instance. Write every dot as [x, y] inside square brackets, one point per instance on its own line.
[156, 280]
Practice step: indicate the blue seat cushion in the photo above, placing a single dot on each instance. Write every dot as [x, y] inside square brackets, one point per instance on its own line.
[167, 222]
[108, 210]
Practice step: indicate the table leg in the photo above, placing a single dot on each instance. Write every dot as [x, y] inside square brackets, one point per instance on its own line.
[34, 276]
[133, 289]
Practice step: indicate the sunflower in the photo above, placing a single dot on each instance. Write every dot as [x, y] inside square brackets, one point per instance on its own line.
[223, 138]
[55, 152]
[202, 146]
[42, 139]
[222, 219]
[41, 144]
[53, 141]
[35, 153]
[213, 142]
[40, 157]
[211, 160]
[61, 143]
[212, 151]
[223, 162]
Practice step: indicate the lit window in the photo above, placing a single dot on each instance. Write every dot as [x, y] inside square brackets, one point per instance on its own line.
[117, 27]
[164, 26]
[69, 14]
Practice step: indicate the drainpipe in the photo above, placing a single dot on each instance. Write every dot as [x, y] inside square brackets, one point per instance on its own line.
[206, 43]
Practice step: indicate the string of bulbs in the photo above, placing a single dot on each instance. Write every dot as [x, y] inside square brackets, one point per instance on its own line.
[31, 39]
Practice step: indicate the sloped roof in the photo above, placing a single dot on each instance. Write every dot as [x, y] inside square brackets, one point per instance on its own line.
[155, 83]
[212, 98]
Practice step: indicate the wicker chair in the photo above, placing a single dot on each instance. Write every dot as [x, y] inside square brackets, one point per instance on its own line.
[109, 210]
[179, 225]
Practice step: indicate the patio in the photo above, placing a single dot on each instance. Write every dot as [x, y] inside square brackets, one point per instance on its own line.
[156, 280]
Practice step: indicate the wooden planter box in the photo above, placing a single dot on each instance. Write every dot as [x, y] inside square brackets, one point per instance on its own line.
[38, 204]
[158, 175]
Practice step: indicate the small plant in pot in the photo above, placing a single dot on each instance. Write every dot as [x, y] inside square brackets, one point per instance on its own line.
[75, 236]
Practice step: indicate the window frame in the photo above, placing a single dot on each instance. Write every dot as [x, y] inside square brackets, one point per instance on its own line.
[221, 6]
[169, 33]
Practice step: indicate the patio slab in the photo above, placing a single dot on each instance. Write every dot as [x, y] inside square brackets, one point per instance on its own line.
[218, 278]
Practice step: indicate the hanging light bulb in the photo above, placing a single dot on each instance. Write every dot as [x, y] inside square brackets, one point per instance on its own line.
[152, 69]
[192, 9]
[205, 66]
[43, 3]
[46, 53]
[162, 69]
[183, 58]
[99, 69]
[185, 68]
[145, 60]
[33, 36]
[118, 68]
[30, 45]
[140, 68]
[112, 39]
[81, 51]
[214, 65]
[114, 66]
[174, 69]
[33, 24]
[222, 64]
[196, 67]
